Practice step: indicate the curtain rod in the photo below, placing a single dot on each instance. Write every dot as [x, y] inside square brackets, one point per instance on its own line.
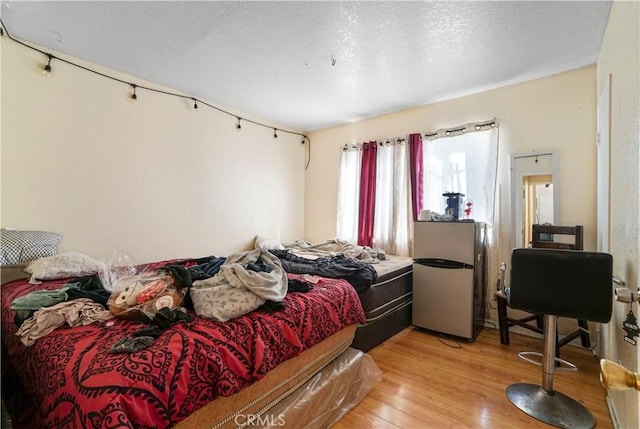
[442, 132]
[381, 142]
[462, 129]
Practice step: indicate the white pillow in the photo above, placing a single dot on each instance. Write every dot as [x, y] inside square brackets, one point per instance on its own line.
[62, 266]
[267, 243]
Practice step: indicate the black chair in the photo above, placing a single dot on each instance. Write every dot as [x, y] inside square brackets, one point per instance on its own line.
[543, 237]
[557, 283]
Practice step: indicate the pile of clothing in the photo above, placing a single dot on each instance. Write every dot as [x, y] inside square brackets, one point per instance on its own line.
[77, 303]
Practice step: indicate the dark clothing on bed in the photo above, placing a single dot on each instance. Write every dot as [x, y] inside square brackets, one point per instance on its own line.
[206, 269]
[259, 267]
[89, 287]
[292, 286]
[143, 338]
[360, 274]
[298, 286]
[272, 306]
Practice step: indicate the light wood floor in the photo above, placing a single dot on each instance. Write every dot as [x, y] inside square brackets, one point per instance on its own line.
[440, 383]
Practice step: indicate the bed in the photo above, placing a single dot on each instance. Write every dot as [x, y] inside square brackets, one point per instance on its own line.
[387, 303]
[199, 373]
[384, 282]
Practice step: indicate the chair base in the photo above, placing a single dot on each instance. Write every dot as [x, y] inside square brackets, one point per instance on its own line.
[555, 408]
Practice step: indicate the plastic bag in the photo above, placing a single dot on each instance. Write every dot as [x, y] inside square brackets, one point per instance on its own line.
[136, 292]
[145, 294]
[115, 273]
[326, 397]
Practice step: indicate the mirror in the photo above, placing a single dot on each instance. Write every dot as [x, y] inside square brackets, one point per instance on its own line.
[534, 196]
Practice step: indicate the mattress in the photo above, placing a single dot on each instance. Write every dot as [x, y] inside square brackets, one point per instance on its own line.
[276, 386]
[186, 367]
[387, 303]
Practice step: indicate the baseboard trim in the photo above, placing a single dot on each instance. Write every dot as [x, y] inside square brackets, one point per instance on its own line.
[612, 413]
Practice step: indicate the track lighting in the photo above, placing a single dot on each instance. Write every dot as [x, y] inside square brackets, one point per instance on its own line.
[195, 103]
[134, 96]
[478, 126]
[47, 68]
[238, 126]
[275, 133]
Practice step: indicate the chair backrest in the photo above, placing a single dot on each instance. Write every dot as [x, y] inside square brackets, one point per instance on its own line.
[543, 237]
[567, 283]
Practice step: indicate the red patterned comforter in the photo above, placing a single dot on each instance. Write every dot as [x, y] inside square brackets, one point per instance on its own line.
[68, 379]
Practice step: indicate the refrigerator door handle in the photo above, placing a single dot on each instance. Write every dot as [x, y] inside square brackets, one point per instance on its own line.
[442, 263]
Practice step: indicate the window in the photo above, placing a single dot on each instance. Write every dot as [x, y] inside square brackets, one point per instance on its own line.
[464, 163]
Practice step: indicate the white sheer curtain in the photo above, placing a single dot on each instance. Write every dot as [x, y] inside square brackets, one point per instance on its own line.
[349, 193]
[393, 226]
[464, 163]
[393, 222]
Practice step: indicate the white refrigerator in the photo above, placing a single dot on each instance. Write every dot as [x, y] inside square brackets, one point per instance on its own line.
[449, 278]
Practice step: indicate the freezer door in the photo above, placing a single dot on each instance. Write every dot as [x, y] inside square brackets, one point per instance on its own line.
[454, 241]
[443, 300]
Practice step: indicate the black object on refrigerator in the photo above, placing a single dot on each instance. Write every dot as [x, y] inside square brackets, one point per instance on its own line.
[449, 273]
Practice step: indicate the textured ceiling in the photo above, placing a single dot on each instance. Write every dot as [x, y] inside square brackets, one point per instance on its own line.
[311, 65]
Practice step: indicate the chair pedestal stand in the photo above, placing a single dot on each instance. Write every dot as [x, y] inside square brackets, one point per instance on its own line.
[542, 402]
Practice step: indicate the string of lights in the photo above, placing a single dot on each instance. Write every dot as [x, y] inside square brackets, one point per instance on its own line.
[134, 87]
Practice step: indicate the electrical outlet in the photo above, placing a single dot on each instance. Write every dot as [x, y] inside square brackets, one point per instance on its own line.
[493, 304]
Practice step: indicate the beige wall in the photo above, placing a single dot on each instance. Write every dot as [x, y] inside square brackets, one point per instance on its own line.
[620, 58]
[153, 178]
[556, 112]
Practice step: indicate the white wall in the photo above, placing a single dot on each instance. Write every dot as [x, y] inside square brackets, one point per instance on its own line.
[620, 58]
[153, 178]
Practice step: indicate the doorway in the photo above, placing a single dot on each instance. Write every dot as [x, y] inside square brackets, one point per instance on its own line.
[534, 196]
[538, 203]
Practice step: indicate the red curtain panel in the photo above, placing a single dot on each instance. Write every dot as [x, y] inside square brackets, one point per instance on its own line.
[367, 204]
[415, 165]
